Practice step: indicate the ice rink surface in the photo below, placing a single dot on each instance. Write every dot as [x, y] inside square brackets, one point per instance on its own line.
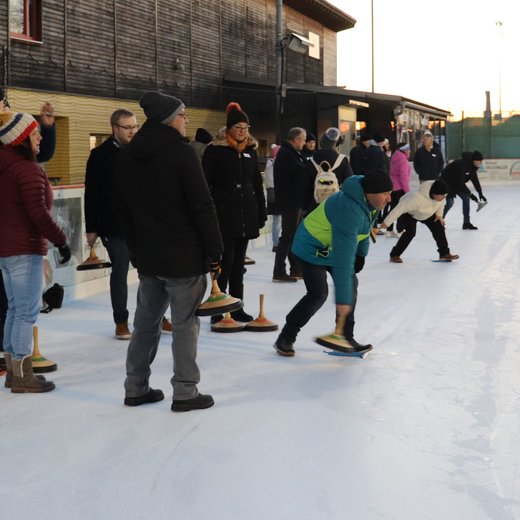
[426, 427]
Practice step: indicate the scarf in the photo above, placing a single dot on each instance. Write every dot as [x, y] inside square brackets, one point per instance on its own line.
[239, 147]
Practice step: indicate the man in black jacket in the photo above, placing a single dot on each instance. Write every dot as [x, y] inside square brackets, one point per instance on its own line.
[100, 219]
[428, 161]
[290, 180]
[456, 175]
[170, 224]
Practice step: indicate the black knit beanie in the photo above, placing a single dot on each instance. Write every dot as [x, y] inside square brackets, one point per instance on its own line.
[203, 136]
[439, 187]
[377, 181]
[160, 108]
[476, 156]
[235, 115]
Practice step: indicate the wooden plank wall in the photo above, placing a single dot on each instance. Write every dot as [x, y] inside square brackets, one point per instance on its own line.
[115, 48]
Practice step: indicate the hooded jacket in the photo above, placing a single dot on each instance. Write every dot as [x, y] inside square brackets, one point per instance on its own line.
[25, 207]
[418, 204]
[460, 171]
[164, 205]
[235, 182]
[335, 233]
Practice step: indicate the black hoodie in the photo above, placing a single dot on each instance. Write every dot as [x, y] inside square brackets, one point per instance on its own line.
[164, 205]
[460, 171]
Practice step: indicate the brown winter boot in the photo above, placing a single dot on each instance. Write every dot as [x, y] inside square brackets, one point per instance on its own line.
[24, 380]
[9, 374]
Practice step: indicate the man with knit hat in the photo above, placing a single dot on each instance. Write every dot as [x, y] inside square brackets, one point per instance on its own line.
[424, 205]
[170, 225]
[334, 238]
[456, 175]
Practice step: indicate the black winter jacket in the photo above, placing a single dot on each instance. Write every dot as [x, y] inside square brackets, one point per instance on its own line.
[235, 182]
[458, 173]
[164, 205]
[290, 178]
[428, 165]
[100, 217]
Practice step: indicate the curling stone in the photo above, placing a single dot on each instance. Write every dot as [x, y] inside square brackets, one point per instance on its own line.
[218, 302]
[336, 340]
[261, 324]
[228, 324]
[93, 262]
[40, 363]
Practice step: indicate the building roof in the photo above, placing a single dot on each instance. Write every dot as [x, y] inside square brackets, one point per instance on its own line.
[324, 13]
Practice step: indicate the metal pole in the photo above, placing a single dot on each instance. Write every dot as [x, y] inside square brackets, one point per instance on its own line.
[372, 17]
[499, 27]
[279, 58]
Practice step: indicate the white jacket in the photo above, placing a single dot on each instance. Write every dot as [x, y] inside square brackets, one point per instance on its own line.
[418, 204]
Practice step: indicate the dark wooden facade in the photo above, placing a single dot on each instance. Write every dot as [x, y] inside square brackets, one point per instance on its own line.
[119, 49]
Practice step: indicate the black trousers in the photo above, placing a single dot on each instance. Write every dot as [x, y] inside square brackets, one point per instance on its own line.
[233, 266]
[290, 220]
[407, 223]
[315, 279]
[120, 260]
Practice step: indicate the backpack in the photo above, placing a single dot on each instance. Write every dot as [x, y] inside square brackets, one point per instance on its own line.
[326, 182]
[52, 298]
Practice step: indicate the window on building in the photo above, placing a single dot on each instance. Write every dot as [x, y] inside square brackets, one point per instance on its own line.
[25, 19]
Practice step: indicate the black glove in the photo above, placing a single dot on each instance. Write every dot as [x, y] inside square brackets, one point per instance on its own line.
[64, 254]
[214, 267]
[359, 263]
[473, 197]
[482, 198]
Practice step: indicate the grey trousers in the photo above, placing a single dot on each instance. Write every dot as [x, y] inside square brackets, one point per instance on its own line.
[154, 295]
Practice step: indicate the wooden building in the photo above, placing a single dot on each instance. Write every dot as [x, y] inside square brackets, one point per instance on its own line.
[90, 57]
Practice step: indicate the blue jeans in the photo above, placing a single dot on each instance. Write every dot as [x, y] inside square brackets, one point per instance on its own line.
[450, 199]
[120, 260]
[154, 295]
[23, 277]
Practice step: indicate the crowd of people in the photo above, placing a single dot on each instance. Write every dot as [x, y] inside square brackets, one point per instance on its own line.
[178, 210]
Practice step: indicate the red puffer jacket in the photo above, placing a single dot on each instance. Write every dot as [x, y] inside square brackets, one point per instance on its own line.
[25, 203]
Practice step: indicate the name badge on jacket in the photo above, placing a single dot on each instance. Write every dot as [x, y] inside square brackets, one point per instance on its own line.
[246, 155]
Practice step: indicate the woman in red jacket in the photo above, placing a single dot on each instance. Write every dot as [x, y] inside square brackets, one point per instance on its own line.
[27, 224]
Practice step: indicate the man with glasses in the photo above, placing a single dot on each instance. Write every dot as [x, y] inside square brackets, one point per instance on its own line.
[100, 218]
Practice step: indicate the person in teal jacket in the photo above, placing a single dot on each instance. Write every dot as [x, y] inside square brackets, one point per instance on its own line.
[334, 238]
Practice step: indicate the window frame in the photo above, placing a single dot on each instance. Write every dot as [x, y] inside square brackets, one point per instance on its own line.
[33, 14]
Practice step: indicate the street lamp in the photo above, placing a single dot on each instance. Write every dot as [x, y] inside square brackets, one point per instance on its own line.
[294, 42]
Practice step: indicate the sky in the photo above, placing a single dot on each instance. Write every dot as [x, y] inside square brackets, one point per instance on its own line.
[445, 53]
[426, 427]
